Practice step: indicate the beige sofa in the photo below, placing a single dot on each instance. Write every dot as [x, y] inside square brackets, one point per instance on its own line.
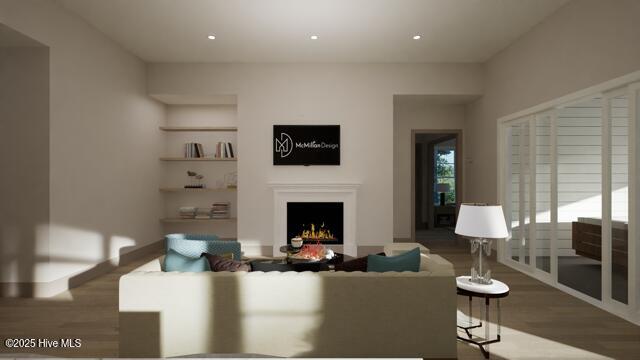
[325, 314]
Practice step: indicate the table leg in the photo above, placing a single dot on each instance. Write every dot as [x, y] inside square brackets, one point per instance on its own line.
[499, 317]
[486, 321]
[470, 313]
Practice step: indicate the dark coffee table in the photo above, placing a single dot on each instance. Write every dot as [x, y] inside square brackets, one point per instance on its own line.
[289, 250]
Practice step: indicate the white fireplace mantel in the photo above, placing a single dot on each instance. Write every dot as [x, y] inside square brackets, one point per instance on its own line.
[315, 192]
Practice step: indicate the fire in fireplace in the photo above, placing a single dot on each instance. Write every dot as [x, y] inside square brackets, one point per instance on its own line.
[315, 222]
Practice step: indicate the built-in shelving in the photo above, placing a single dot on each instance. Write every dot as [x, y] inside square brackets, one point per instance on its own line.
[198, 128]
[196, 159]
[196, 190]
[210, 122]
[179, 220]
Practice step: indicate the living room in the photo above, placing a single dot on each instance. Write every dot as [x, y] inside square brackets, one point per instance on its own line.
[126, 121]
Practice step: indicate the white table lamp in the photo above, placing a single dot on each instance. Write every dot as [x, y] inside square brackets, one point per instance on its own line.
[481, 223]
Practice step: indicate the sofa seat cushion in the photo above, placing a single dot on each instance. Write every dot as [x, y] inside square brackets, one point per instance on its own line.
[408, 261]
[174, 261]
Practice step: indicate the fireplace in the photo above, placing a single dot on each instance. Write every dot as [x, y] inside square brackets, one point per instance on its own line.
[316, 222]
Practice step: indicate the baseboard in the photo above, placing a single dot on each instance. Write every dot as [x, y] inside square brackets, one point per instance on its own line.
[55, 287]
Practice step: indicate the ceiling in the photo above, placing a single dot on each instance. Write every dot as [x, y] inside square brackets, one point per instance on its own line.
[348, 30]
[12, 38]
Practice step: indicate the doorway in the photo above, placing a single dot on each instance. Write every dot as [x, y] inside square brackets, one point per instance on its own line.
[436, 189]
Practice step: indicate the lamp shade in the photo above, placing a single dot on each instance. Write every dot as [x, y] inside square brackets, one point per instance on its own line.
[443, 188]
[481, 222]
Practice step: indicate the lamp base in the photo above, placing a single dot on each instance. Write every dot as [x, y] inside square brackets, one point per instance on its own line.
[480, 271]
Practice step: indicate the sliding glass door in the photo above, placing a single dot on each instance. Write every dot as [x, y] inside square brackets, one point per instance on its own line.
[542, 193]
[618, 108]
[569, 173]
[579, 168]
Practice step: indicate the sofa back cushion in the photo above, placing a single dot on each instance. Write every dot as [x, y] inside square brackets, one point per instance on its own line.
[409, 261]
[174, 261]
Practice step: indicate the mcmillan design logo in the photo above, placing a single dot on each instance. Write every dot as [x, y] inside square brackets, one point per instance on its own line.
[284, 145]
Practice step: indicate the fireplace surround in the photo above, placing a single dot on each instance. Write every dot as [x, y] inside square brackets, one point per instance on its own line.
[345, 193]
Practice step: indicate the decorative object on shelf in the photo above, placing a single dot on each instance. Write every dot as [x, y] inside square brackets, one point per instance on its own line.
[220, 210]
[195, 180]
[296, 242]
[443, 189]
[231, 180]
[482, 223]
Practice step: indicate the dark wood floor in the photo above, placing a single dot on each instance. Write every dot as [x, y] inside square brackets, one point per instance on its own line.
[539, 322]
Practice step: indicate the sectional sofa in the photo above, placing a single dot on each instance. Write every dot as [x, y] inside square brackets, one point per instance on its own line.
[290, 314]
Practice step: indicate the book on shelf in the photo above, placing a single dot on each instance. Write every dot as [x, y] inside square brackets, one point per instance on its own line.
[220, 210]
[224, 150]
[193, 150]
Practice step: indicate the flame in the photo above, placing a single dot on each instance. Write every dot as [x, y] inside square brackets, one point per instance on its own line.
[320, 234]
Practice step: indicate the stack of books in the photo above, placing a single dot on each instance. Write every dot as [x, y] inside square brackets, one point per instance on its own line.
[224, 150]
[193, 150]
[220, 210]
[187, 212]
[203, 213]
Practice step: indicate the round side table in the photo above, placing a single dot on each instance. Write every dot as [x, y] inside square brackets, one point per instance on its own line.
[495, 290]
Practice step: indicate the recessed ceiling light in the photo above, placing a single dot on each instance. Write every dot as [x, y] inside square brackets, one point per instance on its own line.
[211, 37]
[314, 37]
[417, 37]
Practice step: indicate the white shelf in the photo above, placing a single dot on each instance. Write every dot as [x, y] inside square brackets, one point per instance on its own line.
[196, 159]
[199, 128]
[176, 190]
[179, 220]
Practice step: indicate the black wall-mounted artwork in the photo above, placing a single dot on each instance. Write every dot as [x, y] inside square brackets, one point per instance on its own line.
[306, 144]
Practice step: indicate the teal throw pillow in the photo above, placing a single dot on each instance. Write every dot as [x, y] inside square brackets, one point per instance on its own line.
[409, 261]
[174, 261]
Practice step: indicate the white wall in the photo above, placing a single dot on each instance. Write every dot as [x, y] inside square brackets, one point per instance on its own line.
[419, 113]
[584, 43]
[24, 161]
[359, 97]
[104, 143]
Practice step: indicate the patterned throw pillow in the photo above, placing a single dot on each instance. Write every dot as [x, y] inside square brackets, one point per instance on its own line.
[225, 262]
